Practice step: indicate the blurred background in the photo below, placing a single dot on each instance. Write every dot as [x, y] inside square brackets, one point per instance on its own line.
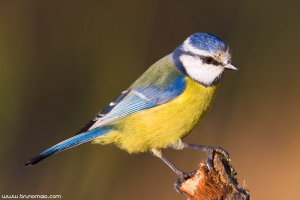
[62, 61]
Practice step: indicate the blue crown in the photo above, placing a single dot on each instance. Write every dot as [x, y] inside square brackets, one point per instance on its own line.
[207, 42]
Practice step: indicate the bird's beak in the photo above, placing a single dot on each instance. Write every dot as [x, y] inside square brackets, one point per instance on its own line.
[230, 66]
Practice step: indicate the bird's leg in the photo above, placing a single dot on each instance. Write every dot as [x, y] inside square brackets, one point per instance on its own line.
[182, 175]
[211, 151]
[158, 153]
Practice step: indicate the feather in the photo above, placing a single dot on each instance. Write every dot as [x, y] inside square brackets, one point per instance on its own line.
[69, 143]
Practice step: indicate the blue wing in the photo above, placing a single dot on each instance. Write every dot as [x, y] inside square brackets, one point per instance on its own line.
[137, 99]
[103, 112]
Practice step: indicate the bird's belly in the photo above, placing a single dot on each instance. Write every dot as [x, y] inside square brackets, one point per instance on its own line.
[160, 126]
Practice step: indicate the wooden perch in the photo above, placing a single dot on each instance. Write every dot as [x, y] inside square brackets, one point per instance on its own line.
[214, 185]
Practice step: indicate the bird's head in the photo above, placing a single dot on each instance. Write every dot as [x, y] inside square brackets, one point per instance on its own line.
[203, 57]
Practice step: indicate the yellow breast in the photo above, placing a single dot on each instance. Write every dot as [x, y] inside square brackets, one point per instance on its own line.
[162, 125]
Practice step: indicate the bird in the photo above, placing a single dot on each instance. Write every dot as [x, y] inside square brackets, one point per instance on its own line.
[162, 106]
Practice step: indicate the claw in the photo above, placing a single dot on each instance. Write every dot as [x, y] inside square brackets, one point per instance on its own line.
[210, 157]
[185, 176]
[209, 161]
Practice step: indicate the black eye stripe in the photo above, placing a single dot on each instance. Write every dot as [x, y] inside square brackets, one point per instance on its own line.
[216, 63]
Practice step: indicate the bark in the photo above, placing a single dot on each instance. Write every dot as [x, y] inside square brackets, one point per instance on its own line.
[220, 184]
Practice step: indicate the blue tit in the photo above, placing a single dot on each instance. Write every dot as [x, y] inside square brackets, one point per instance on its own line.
[162, 106]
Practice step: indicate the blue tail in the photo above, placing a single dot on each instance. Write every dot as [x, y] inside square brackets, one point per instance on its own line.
[69, 143]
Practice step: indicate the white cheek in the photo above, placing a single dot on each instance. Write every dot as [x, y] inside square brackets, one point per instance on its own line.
[200, 71]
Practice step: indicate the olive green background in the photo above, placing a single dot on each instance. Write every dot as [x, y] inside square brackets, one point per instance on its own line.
[62, 61]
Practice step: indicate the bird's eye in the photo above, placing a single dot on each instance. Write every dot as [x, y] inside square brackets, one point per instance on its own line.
[208, 60]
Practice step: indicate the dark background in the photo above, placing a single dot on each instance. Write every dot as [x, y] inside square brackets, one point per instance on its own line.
[62, 61]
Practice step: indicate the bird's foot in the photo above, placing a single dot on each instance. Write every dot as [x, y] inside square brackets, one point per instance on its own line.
[183, 177]
[211, 151]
